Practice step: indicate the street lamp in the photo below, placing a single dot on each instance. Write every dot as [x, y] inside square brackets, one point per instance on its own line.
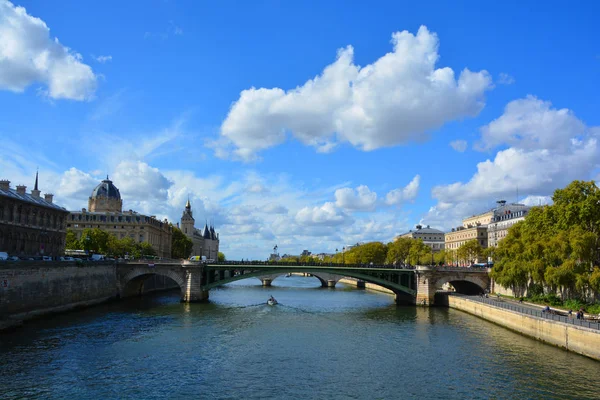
[343, 255]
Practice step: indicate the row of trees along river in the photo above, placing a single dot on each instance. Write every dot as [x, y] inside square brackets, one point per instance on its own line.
[553, 255]
[101, 242]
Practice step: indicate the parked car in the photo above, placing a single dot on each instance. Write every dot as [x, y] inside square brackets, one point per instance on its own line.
[3, 256]
[46, 258]
[13, 258]
[66, 258]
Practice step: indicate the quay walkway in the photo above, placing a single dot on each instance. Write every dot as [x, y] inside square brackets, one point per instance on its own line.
[553, 315]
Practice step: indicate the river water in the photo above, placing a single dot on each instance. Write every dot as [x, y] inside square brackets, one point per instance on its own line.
[317, 343]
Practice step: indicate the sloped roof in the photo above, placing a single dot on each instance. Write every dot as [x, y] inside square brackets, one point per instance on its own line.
[27, 197]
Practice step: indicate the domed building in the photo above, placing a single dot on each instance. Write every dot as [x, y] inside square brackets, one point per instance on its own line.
[105, 212]
[105, 197]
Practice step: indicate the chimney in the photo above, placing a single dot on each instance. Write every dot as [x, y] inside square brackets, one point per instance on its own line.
[21, 189]
[4, 184]
[48, 197]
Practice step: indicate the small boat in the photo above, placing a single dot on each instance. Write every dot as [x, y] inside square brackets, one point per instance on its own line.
[271, 301]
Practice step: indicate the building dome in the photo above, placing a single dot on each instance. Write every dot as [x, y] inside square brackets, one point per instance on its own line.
[105, 197]
[106, 189]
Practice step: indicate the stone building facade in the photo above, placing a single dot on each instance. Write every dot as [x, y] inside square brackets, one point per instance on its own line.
[505, 216]
[206, 241]
[433, 238]
[105, 212]
[459, 236]
[30, 225]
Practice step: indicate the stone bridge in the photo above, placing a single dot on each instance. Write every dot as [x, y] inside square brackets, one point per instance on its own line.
[409, 285]
[464, 280]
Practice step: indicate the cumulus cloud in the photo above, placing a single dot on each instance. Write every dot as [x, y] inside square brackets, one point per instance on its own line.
[325, 215]
[549, 148]
[76, 184]
[396, 99]
[459, 145]
[28, 54]
[407, 193]
[138, 180]
[360, 199]
[530, 124]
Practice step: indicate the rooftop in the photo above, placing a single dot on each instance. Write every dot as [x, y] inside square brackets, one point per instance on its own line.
[29, 198]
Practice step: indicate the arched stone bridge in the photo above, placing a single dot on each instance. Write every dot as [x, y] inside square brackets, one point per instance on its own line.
[196, 279]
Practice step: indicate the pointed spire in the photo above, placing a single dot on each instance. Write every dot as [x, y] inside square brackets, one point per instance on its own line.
[188, 205]
[36, 180]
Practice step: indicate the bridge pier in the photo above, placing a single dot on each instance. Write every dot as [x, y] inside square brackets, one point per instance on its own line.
[331, 283]
[266, 281]
[192, 292]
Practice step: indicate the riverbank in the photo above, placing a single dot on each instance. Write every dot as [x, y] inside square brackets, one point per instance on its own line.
[30, 289]
[578, 339]
[365, 285]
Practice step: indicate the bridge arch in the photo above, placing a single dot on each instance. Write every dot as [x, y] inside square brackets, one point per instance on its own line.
[132, 284]
[464, 284]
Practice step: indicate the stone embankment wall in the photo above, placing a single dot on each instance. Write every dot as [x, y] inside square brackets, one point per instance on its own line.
[354, 282]
[30, 289]
[573, 338]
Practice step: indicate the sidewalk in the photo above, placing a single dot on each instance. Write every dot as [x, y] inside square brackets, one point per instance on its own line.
[533, 310]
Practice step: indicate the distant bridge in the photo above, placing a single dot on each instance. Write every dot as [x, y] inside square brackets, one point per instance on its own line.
[411, 286]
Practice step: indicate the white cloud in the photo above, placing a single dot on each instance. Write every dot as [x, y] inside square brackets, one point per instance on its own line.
[76, 185]
[396, 99]
[530, 124]
[28, 54]
[325, 215]
[407, 193]
[103, 59]
[505, 79]
[534, 172]
[536, 200]
[549, 148]
[360, 199]
[137, 180]
[459, 145]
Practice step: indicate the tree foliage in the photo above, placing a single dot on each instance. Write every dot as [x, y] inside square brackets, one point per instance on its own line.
[181, 245]
[221, 257]
[101, 242]
[556, 248]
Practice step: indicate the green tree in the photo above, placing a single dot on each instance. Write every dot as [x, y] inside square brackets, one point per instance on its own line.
[557, 246]
[470, 251]
[181, 245]
[398, 251]
[442, 257]
[373, 252]
[419, 252]
[71, 241]
[94, 240]
[221, 257]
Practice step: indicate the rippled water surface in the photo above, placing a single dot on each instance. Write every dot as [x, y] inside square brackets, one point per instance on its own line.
[316, 344]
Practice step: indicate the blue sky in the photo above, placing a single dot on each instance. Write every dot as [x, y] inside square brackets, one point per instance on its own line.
[310, 125]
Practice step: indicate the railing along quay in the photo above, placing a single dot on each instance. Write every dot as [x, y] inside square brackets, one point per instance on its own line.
[549, 315]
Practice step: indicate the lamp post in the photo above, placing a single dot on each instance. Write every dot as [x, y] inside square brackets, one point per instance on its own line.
[344, 255]
[432, 256]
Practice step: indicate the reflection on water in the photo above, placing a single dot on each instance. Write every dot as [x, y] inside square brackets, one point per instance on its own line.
[317, 343]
